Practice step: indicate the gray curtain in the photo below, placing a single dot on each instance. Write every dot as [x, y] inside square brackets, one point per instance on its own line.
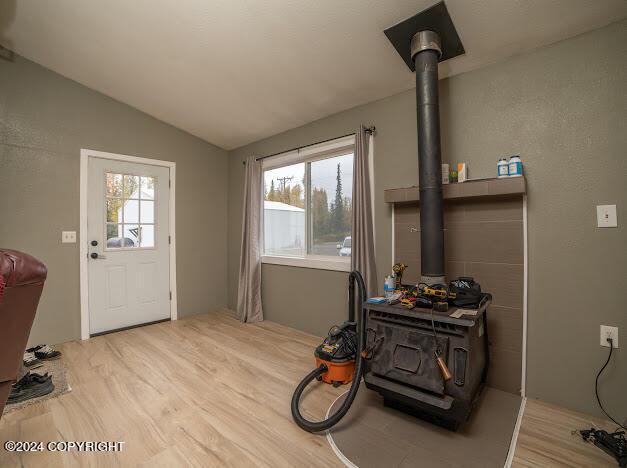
[362, 251]
[249, 291]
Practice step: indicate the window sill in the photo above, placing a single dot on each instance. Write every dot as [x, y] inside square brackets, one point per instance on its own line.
[318, 262]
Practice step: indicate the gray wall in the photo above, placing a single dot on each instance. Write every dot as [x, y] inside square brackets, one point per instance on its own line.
[45, 120]
[563, 109]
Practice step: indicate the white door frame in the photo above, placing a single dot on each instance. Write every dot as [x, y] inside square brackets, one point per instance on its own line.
[84, 271]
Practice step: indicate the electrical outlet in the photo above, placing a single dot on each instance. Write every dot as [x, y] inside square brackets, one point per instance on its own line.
[609, 332]
[68, 237]
[606, 216]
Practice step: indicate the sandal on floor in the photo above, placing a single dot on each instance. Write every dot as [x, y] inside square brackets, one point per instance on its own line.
[30, 361]
[45, 352]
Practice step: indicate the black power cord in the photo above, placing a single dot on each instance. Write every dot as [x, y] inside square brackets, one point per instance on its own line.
[613, 444]
[596, 385]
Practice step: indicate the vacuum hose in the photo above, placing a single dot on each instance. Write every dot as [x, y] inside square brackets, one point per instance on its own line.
[317, 426]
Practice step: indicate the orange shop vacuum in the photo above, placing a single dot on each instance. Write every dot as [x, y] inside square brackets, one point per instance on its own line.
[337, 354]
[339, 359]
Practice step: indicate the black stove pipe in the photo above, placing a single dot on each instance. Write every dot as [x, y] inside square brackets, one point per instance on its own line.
[425, 51]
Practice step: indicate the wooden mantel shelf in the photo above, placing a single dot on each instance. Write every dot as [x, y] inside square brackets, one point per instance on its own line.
[469, 189]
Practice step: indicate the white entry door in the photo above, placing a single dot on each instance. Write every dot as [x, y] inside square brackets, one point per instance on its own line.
[128, 251]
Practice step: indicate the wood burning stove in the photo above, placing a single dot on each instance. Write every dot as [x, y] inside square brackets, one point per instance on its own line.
[402, 368]
[403, 344]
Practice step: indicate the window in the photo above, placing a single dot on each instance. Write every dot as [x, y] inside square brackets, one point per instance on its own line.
[307, 210]
[284, 211]
[331, 205]
[130, 214]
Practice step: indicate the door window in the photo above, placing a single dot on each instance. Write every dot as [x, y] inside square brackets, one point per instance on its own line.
[130, 211]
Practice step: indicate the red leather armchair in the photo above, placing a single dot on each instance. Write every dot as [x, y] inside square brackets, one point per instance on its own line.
[23, 279]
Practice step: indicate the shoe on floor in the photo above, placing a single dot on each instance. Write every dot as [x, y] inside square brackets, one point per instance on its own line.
[31, 361]
[30, 386]
[44, 352]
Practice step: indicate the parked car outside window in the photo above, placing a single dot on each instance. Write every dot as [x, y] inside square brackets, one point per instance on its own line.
[344, 249]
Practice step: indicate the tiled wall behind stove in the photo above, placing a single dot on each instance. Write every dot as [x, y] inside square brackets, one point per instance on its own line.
[483, 239]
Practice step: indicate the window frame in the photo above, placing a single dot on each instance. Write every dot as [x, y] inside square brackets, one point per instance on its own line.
[106, 223]
[307, 155]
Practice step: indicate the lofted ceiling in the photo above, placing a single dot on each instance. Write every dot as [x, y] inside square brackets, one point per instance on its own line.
[234, 71]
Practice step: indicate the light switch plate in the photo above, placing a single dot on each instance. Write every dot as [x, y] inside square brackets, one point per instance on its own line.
[606, 216]
[609, 332]
[68, 237]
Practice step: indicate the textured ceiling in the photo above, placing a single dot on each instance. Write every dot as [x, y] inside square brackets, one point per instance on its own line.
[235, 71]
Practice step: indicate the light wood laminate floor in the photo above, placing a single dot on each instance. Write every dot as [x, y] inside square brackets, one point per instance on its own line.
[210, 391]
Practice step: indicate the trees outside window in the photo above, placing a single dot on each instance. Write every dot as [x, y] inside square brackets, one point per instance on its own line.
[313, 197]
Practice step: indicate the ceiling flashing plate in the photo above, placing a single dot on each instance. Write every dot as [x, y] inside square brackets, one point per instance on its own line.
[435, 18]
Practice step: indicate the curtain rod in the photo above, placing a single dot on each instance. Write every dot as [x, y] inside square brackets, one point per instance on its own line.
[370, 130]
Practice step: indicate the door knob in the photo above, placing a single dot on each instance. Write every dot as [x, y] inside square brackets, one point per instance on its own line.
[93, 255]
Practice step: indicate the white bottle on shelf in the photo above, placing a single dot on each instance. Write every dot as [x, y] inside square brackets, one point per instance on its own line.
[502, 168]
[515, 166]
[445, 173]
